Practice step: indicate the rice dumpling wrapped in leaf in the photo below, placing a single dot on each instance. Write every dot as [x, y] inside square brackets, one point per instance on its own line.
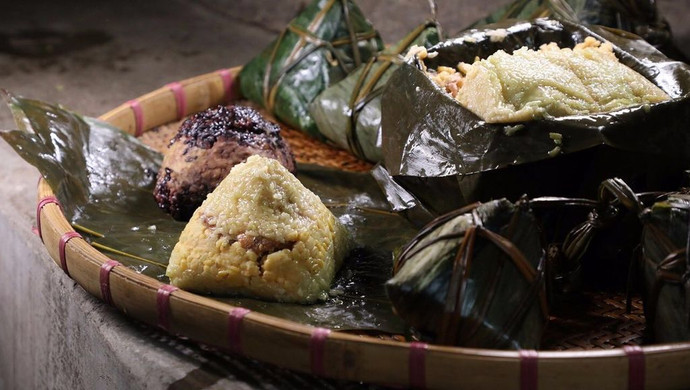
[637, 16]
[474, 278]
[590, 242]
[666, 269]
[349, 112]
[433, 144]
[318, 48]
[262, 234]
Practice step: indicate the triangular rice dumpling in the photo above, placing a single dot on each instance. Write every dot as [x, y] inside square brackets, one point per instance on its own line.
[262, 234]
[318, 48]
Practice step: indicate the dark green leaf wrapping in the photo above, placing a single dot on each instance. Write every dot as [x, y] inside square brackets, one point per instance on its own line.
[590, 242]
[318, 48]
[665, 269]
[349, 112]
[432, 145]
[637, 16]
[474, 278]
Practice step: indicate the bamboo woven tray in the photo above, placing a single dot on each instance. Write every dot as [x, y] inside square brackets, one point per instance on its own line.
[320, 351]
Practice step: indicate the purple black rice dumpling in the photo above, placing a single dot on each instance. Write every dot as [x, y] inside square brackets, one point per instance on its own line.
[206, 147]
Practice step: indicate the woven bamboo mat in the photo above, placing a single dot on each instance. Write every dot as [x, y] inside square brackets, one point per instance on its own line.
[595, 320]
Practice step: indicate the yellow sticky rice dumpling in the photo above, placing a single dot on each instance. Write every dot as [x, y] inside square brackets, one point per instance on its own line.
[260, 233]
[532, 84]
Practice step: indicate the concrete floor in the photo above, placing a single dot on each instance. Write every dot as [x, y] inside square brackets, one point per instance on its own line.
[92, 56]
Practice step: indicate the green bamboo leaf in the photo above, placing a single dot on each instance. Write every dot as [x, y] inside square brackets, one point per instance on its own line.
[102, 176]
[318, 48]
[349, 112]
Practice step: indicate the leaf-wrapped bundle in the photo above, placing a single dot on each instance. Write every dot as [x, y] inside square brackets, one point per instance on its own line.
[349, 112]
[637, 16]
[433, 145]
[666, 269]
[591, 242]
[318, 48]
[474, 278]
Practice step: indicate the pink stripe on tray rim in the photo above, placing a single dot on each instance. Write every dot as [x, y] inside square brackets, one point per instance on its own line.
[163, 305]
[105, 280]
[39, 207]
[529, 360]
[235, 318]
[636, 366]
[417, 365]
[317, 344]
[61, 249]
[180, 98]
[138, 116]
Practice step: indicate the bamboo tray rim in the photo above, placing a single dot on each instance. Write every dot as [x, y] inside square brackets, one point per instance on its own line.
[314, 350]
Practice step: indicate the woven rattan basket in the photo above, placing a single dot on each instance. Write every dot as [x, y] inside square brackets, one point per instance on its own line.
[315, 350]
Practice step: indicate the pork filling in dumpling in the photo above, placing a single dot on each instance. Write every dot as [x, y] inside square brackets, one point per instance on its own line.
[260, 233]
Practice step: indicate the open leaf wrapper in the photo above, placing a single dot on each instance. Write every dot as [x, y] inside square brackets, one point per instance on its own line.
[104, 179]
[432, 145]
[665, 269]
[349, 112]
[323, 44]
[474, 278]
[640, 17]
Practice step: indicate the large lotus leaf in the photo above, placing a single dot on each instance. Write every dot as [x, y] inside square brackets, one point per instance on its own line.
[637, 16]
[349, 112]
[104, 179]
[318, 48]
[665, 267]
[474, 278]
[433, 145]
